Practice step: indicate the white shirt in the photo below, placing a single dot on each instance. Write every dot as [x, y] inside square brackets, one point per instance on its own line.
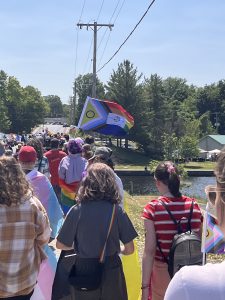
[198, 282]
[120, 189]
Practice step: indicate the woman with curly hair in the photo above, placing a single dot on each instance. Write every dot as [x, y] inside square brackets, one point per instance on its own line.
[85, 229]
[24, 230]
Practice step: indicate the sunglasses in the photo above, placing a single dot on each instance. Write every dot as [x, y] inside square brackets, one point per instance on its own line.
[211, 191]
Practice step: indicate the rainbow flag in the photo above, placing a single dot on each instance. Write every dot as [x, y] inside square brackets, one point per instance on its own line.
[44, 191]
[68, 194]
[212, 237]
[105, 117]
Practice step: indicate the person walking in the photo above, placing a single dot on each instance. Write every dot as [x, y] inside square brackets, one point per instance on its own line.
[24, 230]
[41, 164]
[160, 227]
[104, 155]
[54, 157]
[42, 187]
[70, 170]
[85, 229]
[205, 282]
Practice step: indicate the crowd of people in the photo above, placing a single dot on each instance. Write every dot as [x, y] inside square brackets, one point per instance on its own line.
[69, 191]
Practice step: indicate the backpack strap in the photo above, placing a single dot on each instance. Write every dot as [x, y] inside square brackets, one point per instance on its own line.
[179, 229]
[160, 249]
[175, 222]
[190, 216]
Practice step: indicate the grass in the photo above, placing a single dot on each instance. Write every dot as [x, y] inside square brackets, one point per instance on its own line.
[135, 208]
[206, 165]
[128, 159]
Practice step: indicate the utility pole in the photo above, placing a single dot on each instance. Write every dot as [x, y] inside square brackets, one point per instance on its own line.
[94, 26]
[217, 124]
[74, 100]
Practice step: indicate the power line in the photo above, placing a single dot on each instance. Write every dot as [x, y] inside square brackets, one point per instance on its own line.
[100, 10]
[107, 41]
[119, 11]
[110, 21]
[89, 52]
[82, 10]
[77, 40]
[103, 52]
[128, 36]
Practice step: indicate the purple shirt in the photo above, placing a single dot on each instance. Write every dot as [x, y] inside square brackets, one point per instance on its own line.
[71, 168]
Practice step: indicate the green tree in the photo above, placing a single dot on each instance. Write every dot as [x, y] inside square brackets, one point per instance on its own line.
[55, 105]
[188, 147]
[15, 104]
[210, 99]
[170, 146]
[124, 87]
[4, 119]
[83, 86]
[156, 111]
[34, 108]
[178, 98]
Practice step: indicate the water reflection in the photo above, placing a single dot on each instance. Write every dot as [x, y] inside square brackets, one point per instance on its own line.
[144, 185]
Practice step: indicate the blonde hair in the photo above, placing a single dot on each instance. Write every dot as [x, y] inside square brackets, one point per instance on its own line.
[99, 184]
[14, 186]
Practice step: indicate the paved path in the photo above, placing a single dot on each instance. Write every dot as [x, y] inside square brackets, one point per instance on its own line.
[51, 128]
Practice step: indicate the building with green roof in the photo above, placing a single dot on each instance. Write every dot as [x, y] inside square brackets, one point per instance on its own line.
[211, 142]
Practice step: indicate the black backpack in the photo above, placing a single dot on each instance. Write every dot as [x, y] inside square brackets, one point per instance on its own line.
[186, 246]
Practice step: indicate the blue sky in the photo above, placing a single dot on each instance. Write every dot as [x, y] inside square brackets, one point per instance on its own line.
[182, 38]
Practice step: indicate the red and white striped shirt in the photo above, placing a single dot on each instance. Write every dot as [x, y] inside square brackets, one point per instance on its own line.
[164, 226]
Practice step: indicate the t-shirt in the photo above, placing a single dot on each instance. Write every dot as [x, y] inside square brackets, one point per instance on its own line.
[164, 226]
[198, 282]
[120, 188]
[87, 225]
[54, 157]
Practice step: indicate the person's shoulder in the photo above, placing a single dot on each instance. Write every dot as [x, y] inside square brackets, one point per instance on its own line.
[48, 153]
[62, 153]
[36, 204]
[201, 275]
[152, 203]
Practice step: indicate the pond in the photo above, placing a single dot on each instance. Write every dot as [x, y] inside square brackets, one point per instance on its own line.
[145, 185]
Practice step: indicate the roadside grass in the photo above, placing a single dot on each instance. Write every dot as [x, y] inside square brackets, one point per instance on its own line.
[135, 207]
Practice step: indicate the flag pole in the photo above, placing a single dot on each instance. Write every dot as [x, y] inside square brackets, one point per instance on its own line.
[204, 236]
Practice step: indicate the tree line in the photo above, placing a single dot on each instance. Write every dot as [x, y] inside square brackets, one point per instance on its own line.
[22, 108]
[170, 114]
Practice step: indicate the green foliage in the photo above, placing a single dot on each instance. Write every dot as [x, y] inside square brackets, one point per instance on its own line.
[55, 106]
[170, 146]
[124, 88]
[83, 87]
[188, 147]
[4, 117]
[152, 165]
[20, 108]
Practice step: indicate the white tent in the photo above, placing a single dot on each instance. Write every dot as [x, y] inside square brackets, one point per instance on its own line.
[215, 151]
[202, 151]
